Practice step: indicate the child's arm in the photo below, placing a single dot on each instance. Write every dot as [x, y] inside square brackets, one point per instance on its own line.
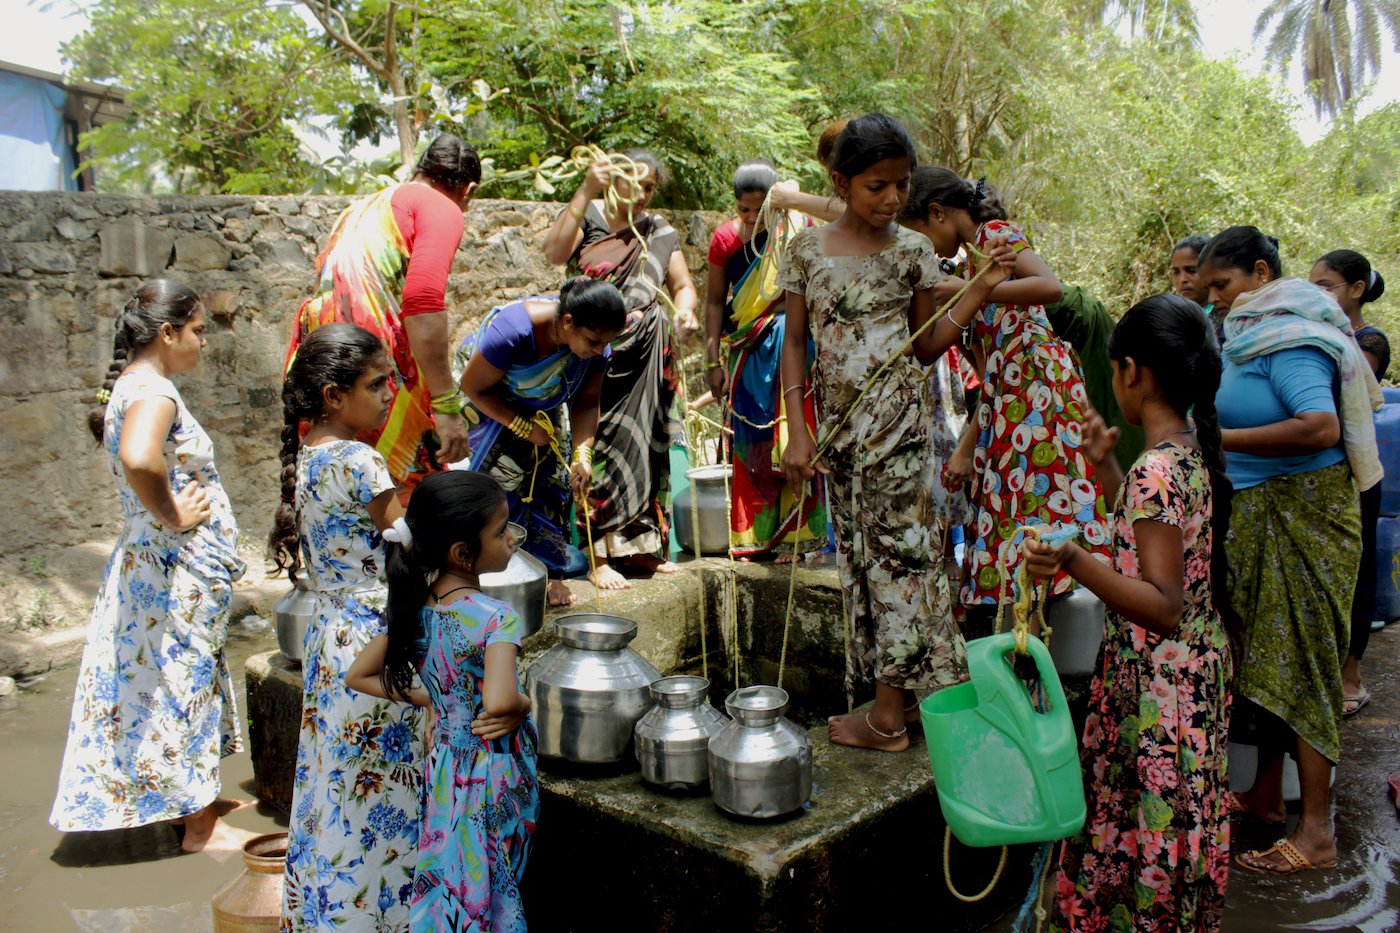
[957, 472]
[503, 706]
[797, 458]
[1154, 602]
[384, 508]
[786, 196]
[935, 341]
[1034, 283]
[366, 674]
[1098, 444]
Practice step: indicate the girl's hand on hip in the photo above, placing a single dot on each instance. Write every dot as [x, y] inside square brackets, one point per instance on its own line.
[496, 727]
[191, 506]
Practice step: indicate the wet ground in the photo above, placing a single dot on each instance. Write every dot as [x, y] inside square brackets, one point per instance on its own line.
[136, 881]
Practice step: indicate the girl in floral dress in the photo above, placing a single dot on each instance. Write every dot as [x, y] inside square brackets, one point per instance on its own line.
[482, 797]
[154, 711]
[1154, 852]
[864, 283]
[1022, 449]
[355, 800]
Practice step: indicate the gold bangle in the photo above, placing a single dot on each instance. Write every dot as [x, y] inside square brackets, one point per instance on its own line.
[521, 428]
[579, 214]
[583, 454]
[713, 364]
[791, 389]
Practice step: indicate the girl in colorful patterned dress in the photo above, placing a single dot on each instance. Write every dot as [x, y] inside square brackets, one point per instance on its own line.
[865, 283]
[1022, 449]
[482, 798]
[154, 710]
[1154, 852]
[355, 800]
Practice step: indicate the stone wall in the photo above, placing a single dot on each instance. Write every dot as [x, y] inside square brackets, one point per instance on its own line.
[69, 261]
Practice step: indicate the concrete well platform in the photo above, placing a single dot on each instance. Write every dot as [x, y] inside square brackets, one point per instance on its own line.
[611, 854]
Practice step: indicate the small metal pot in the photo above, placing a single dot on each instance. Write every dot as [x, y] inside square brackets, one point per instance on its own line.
[523, 585]
[590, 689]
[292, 617]
[706, 502]
[760, 764]
[673, 738]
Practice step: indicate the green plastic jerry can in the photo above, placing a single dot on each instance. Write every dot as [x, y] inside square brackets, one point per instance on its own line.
[1004, 772]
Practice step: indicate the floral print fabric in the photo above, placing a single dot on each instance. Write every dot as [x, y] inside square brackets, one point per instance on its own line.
[482, 798]
[1154, 853]
[1028, 467]
[154, 710]
[884, 460]
[355, 801]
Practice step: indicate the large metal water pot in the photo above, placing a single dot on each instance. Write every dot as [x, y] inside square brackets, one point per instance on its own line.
[292, 617]
[523, 585]
[1076, 623]
[760, 764]
[709, 504]
[673, 738]
[590, 689]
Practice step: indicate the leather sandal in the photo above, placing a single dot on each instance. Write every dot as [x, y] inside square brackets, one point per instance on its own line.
[1351, 705]
[1296, 861]
[1235, 807]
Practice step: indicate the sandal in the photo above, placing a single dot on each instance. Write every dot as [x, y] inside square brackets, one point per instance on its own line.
[1351, 705]
[1235, 807]
[1295, 860]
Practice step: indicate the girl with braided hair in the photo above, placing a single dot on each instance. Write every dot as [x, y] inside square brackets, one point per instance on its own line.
[1154, 852]
[154, 710]
[353, 833]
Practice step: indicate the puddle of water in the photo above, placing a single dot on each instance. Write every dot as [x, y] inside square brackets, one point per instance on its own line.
[125, 881]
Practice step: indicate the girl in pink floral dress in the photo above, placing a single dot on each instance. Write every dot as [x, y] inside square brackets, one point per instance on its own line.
[1154, 852]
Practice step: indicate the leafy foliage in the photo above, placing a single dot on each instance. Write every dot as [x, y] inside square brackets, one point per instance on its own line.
[1338, 41]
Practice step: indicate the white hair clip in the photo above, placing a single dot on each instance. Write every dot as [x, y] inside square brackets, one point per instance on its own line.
[398, 533]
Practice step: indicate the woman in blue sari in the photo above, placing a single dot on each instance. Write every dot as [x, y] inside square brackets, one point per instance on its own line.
[527, 359]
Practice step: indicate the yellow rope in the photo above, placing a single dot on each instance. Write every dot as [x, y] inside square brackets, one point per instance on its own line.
[948, 873]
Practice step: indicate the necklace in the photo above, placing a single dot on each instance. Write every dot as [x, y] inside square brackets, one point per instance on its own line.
[1183, 431]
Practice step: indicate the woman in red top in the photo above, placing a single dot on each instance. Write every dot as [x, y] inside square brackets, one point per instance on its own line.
[385, 268]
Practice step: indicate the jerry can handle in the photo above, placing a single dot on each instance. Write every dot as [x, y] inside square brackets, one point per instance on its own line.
[1033, 723]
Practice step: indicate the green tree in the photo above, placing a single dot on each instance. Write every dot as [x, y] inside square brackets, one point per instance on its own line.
[216, 89]
[1339, 42]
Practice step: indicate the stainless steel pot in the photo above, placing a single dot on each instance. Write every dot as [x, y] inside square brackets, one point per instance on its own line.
[292, 617]
[1076, 629]
[760, 764]
[523, 585]
[590, 689]
[673, 738]
[706, 499]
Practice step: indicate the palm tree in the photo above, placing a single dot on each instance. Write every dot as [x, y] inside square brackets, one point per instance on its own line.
[1338, 40]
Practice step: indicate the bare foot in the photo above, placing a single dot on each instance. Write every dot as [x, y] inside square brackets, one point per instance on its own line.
[606, 578]
[217, 836]
[650, 563]
[559, 593]
[226, 805]
[856, 731]
[784, 557]
[1250, 805]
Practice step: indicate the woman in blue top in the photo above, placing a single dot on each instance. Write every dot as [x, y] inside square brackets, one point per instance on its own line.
[523, 363]
[1293, 403]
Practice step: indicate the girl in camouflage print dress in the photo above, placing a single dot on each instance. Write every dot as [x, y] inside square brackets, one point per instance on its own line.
[864, 283]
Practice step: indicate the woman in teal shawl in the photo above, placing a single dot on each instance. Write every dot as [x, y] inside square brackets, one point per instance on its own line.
[525, 360]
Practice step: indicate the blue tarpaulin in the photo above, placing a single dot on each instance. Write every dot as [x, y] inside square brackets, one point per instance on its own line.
[34, 150]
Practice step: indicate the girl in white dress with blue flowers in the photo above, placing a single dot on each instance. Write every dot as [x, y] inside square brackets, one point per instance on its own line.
[355, 802]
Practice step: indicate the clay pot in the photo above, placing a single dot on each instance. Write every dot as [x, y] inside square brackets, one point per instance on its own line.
[253, 899]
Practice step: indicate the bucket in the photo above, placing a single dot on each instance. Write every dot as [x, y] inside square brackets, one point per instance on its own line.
[1005, 774]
